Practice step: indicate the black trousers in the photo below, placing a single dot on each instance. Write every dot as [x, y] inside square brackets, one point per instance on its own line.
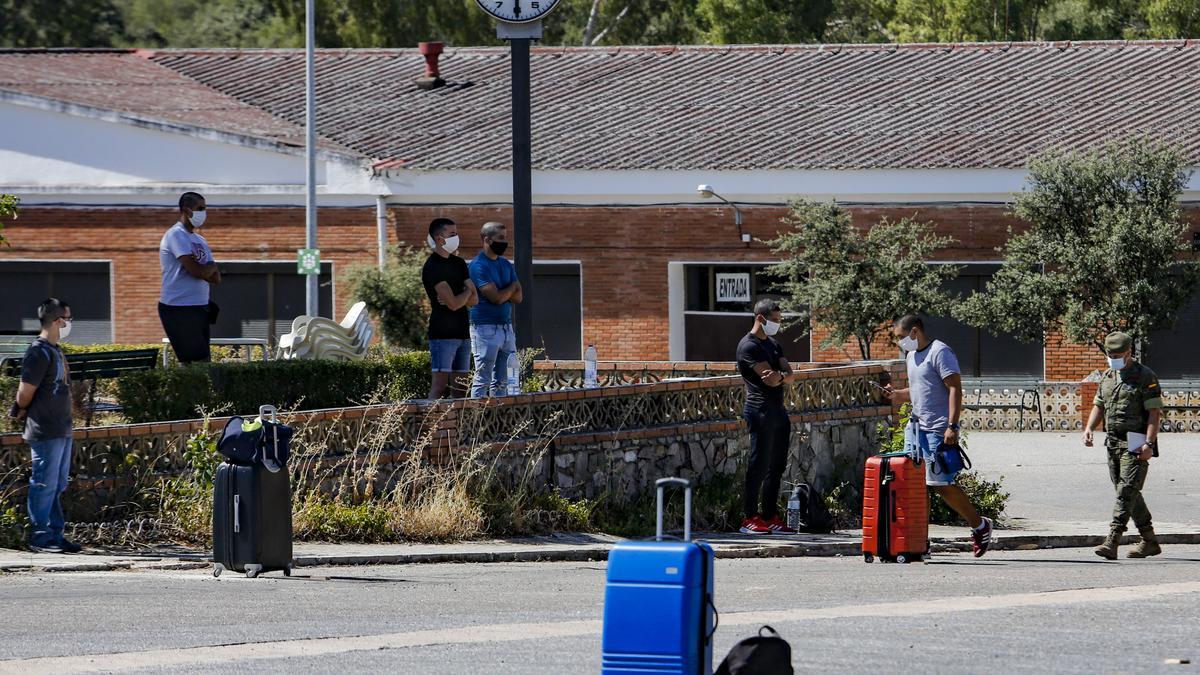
[769, 431]
[188, 330]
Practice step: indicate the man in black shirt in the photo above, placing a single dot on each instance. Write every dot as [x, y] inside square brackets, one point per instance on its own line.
[762, 366]
[448, 284]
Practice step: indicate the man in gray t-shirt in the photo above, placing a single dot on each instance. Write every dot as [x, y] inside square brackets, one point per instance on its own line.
[935, 391]
[44, 402]
[188, 271]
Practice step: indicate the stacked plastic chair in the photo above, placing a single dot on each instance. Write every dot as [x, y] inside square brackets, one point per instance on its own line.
[315, 337]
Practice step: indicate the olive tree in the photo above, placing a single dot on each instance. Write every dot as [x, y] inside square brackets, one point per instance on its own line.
[1104, 250]
[856, 283]
[396, 297]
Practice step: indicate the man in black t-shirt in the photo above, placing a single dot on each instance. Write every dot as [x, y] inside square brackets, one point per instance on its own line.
[448, 284]
[764, 369]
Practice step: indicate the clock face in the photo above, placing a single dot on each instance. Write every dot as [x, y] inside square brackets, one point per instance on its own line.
[518, 11]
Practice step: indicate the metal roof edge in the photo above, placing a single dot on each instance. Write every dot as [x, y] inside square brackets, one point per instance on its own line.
[155, 124]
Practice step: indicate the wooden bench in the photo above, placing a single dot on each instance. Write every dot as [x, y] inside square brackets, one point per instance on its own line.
[1031, 401]
[95, 366]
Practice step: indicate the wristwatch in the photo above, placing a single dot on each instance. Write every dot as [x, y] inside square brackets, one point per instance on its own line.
[954, 426]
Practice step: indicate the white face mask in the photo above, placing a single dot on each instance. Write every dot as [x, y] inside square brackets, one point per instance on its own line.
[770, 327]
[450, 246]
[909, 343]
[1116, 364]
[198, 218]
[65, 330]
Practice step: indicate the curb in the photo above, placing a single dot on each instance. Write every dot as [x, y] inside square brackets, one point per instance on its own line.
[594, 552]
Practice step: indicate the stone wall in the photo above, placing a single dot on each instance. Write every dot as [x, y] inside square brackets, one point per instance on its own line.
[585, 442]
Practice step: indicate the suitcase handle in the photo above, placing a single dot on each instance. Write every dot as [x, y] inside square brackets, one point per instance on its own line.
[273, 465]
[661, 485]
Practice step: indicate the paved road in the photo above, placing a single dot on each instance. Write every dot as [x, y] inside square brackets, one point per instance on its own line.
[1054, 478]
[1058, 610]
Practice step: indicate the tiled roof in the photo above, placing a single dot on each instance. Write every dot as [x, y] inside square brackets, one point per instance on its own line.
[724, 108]
[128, 82]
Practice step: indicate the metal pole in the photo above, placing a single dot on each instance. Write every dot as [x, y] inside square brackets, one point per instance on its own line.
[522, 190]
[381, 223]
[311, 287]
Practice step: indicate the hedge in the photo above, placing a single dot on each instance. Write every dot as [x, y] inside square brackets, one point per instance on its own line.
[179, 393]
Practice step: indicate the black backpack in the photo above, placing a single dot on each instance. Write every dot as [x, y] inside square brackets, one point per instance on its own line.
[759, 655]
[814, 517]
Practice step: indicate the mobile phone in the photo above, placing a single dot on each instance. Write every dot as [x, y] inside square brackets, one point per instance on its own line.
[875, 384]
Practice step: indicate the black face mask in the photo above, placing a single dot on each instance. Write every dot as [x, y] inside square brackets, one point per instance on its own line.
[498, 247]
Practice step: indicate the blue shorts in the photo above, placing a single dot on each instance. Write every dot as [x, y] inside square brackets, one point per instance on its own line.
[450, 356]
[928, 442]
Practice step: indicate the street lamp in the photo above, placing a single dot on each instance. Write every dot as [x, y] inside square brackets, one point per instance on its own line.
[707, 191]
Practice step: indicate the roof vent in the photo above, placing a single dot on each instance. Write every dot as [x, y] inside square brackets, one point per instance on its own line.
[431, 79]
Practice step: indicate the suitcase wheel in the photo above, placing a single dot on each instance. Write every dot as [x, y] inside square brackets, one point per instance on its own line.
[902, 559]
[287, 571]
[217, 569]
[868, 558]
[252, 571]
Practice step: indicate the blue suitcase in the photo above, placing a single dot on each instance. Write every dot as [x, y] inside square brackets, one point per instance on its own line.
[658, 601]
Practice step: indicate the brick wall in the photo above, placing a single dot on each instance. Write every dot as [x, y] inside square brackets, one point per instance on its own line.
[624, 253]
[129, 237]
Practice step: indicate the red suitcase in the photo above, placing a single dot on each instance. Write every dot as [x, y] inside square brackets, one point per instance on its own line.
[895, 509]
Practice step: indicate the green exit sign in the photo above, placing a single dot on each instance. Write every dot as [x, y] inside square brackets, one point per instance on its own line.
[308, 261]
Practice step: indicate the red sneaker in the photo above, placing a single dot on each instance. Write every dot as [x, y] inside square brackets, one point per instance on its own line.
[777, 526]
[981, 539]
[755, 525]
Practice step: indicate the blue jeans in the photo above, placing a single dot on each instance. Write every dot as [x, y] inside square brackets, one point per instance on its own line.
[51, 467]
[449, 356]
[491, 345]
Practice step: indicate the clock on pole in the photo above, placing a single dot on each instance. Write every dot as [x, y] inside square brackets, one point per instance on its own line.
[517, 11]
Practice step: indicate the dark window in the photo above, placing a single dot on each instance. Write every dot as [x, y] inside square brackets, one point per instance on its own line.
[260, 299]
[557, 315]
[981, 354]
[701, 287]
[1175, 354]
[712, 329]
[85, 286]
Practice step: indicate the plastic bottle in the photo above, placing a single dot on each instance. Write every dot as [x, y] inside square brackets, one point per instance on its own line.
[514, 374]
[590, 381]
[793, 509]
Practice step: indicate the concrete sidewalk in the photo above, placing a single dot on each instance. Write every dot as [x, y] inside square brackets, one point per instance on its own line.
[576, 547]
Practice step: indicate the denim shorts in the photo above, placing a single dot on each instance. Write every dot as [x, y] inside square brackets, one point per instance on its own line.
[450, 356]
[928, 442]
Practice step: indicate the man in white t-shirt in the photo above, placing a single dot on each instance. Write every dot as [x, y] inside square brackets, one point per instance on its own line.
[188, 271]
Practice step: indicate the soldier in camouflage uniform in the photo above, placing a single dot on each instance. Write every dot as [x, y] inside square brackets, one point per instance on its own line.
[1129, 399]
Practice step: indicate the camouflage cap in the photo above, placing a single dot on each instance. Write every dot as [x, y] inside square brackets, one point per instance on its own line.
[1117, 342]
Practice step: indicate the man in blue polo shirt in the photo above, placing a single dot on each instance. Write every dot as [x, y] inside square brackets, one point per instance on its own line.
[492, 336]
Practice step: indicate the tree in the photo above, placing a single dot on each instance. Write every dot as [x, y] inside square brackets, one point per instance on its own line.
[857, 285]
[204, 23]
[396, 297]
[8, 209]
[1173, 18]
[59, 23]
[764, 21]
[1100, 254]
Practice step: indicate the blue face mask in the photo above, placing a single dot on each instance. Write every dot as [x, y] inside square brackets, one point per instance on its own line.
[1116, 364]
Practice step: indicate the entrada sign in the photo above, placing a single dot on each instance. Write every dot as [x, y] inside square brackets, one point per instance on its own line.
[733, 287]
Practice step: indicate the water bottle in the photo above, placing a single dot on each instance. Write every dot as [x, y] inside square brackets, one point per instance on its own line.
[514, 374]
[793, 509]
[589, 368]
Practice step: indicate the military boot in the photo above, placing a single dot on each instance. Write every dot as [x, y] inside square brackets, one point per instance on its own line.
[1145, 548]
[1108, 550]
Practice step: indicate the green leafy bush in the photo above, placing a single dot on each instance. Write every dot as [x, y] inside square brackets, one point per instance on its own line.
[396, 297]
[179, 393]
[165, 393]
